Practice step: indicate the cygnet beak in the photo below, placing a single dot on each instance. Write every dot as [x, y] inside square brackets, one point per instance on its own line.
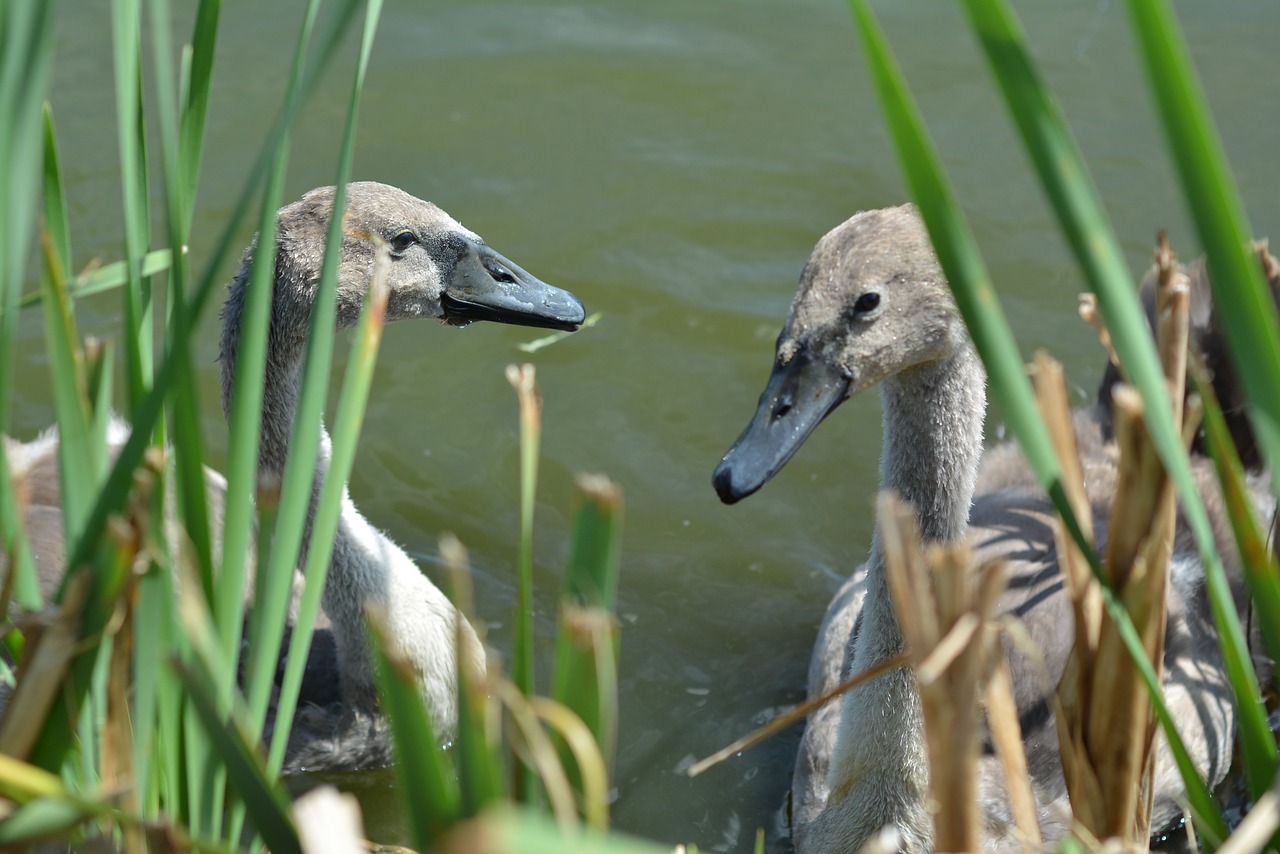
[486, 286]
[798, 396]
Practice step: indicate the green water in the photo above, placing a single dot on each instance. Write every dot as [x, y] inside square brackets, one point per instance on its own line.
[671, 162]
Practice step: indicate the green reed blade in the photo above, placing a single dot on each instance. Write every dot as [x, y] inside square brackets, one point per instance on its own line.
[267, 623]
[1083, 220]
[595, 552]
[1251, 327]
[77, 461]
[169, 795]
[427, 785]
[185, 748]
[56, 737]
[525, 784]
[100, 363]
[1261, 571]
[976, 299]
[204, 42]
[152, 643]
[26, 37]
[275, 585]
[40, 819]
[93, 719]
[55, 196]
[530, 442]
[80, 459]
[245, 415]
[478, 758]
[511, 830]
[585, 676]
[585, 681]
[131, 130]
[188, 444]
[108, 277]
[346, 434]
[267, 803]
[958, 253]
[245, 418]
[304, 449]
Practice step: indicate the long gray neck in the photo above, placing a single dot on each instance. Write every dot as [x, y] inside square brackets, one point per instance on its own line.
[932, 420]
[932, 443]
[360, 560]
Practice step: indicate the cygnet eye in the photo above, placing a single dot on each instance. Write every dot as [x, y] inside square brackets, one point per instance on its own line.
[403, 241]
[866, 303]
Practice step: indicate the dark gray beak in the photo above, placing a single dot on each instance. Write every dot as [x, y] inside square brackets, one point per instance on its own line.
[486, 286]
[798, 396]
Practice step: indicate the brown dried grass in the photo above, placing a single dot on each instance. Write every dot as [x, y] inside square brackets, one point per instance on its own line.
[1105, 726]
[945, 610]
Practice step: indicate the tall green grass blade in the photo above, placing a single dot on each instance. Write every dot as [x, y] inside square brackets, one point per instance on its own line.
[522, 379]
[77, 462]
[1262, 573]
[959, 256]
[26, 34]
[108, 277]
[1251, 328]
[152, 639]
[267, 804]
[181, 139]
[530, 441]
[478, 759]
[246, 406]
[347, 423]
[56, 737]
[274, 588]
[510, 830]
[55, 196]
[157, 596]
[479, 762]
[38, 820]
[595, 553]
[976, 299]
[204, 42]
[586, 663]
[81, 458]
[145, 416]
[1066, 180]
[205, 776]
[246, 418]
[131, 127]
[426, 781]
[266, 629]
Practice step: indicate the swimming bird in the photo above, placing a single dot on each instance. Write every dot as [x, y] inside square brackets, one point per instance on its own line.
[438, 269]
[1208, 342]
[874, 308]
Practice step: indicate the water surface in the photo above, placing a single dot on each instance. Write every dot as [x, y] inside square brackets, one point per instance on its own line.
[672, 163]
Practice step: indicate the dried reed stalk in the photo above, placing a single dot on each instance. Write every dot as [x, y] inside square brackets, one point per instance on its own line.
[1006, 736]
[1105, 727]
[52, 643]
[945, 609]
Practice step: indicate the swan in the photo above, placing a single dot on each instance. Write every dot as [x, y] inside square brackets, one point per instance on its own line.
[438, 269]
[874, 308]
[1208, 342]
